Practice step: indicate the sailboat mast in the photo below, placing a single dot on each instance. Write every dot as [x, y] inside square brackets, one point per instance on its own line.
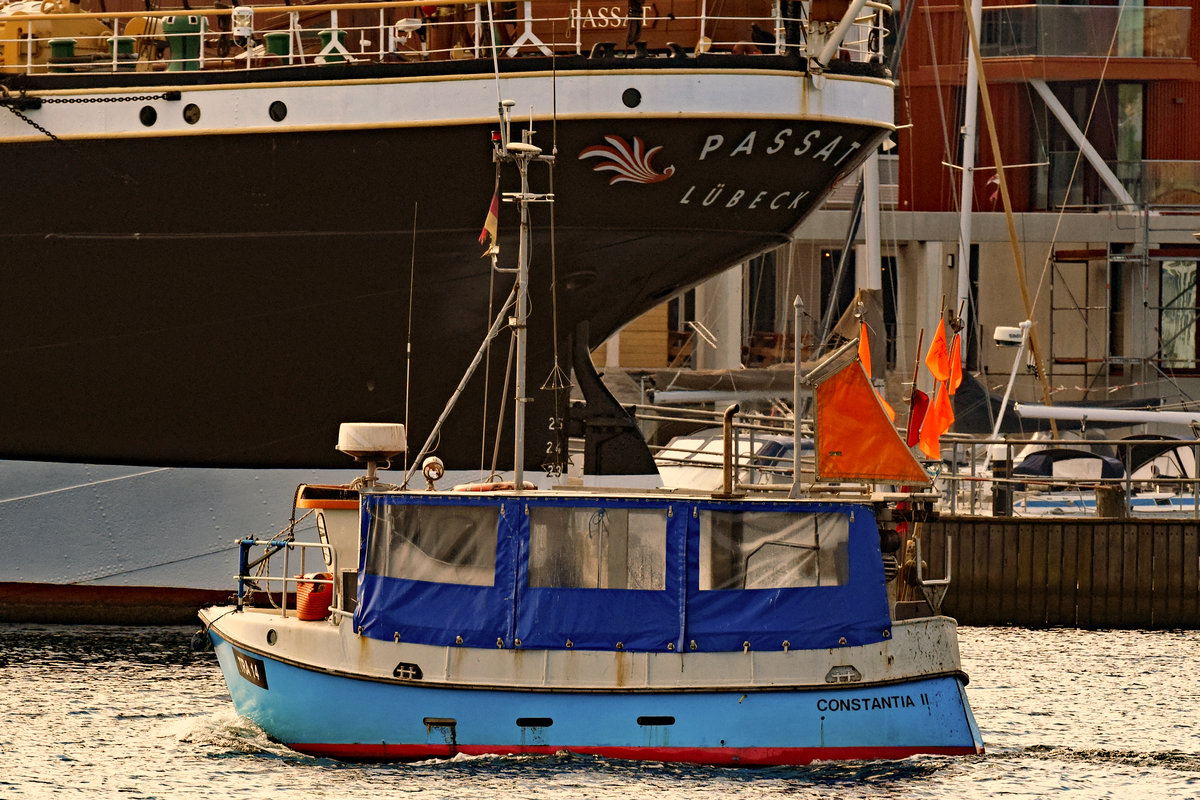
[1018, 259]
[967, 193]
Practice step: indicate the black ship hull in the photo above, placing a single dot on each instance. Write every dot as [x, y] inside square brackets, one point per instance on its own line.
[226, 296]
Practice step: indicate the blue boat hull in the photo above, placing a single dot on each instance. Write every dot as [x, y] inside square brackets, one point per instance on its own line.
[343, 717]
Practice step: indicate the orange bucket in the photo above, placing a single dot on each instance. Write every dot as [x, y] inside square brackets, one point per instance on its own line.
[313, 599]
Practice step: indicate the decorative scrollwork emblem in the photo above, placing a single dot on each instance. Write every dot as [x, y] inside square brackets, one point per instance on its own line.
[630, 162]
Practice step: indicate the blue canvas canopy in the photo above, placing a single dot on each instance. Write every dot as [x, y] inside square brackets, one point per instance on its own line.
[612, 573]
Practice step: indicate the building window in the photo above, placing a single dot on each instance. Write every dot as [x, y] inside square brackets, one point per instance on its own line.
[1177, 315]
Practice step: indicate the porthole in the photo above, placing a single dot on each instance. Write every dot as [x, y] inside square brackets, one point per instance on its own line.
[277, 110]
[272, 636]
[632, 98]
[191, 113]
[148, 116]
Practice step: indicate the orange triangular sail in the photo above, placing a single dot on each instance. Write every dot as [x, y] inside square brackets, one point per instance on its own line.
[855, 439]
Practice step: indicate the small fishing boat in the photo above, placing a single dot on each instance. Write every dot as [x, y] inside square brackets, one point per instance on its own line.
[689, 626]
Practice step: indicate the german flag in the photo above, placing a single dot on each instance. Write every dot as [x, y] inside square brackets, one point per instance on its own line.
[493, 218]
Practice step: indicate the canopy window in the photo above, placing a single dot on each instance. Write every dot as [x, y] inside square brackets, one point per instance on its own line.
[772, 550]
[441, 544]
[597, 548]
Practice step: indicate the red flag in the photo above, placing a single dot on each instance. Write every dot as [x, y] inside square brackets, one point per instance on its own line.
[864, 348]
[937, 358]
[492, 220]
[938, 420]
[955, 378]
[916, 415]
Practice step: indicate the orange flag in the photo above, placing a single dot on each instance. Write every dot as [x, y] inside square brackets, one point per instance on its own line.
[955, 378]
[864, 348]
[938, 420]
[887, 407]
[864, 356]
[938, 359]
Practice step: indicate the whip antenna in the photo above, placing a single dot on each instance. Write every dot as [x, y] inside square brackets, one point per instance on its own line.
[412, 271]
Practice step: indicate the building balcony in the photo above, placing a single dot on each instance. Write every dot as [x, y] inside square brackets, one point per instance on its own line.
[1068, 181]
[1061, 31]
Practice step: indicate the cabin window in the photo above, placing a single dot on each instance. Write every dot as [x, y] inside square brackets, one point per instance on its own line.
[597, 548]
[440, 544]
[772, 550]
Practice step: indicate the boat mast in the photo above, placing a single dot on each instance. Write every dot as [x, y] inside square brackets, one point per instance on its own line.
[1018, 258]
[521, 153]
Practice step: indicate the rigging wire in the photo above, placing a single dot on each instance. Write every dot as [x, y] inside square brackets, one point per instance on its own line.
[508, 370]
[487, 368]
[558, 380]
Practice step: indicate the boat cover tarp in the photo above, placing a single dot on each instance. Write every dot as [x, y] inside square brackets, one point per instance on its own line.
[1041, 464]
[672, 617]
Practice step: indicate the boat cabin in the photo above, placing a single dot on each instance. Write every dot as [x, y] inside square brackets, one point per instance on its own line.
[604, 572]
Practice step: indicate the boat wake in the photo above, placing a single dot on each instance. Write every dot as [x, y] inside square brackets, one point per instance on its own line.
[1176, 760]
[225, 733]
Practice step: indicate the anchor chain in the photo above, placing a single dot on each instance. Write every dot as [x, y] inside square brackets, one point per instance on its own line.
[136, 98]
[34, 125]
[19, 103]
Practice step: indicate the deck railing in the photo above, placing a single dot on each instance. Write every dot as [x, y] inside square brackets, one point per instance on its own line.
[974, 478]
[1072, 31]
[258, 557]
[977, 479]
[58, 38]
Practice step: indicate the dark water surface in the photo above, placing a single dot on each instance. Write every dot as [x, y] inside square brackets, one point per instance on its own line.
[131, 713]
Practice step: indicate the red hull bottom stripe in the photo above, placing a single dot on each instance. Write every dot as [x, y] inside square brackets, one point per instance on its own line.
[81, 604]
[739, 756]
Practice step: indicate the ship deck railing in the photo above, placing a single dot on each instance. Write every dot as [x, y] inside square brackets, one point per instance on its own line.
[66, 41]
[257, 557]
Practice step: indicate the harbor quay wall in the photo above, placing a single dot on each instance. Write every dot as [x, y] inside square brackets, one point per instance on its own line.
[1085, 573]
